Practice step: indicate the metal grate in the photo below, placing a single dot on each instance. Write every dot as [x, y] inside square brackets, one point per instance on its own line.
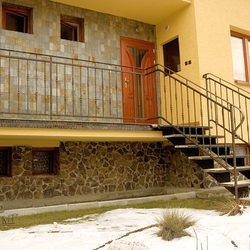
[3, 163]
[42, 162]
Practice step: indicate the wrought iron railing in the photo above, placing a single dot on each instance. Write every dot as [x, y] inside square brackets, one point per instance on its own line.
[190, 109]
[46, 87]
[187, 103]
[239, 97]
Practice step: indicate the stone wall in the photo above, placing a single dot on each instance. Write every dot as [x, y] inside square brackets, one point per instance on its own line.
[100, 169]
[56, 80]
[102, 32]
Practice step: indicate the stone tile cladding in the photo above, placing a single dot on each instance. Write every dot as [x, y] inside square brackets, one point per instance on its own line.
[102, 32]
[90, 168]
[37, 89]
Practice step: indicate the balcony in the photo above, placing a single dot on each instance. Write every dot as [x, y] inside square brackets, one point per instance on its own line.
[40, 92]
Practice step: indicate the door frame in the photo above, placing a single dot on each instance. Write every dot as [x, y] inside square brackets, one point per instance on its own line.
[148, 61]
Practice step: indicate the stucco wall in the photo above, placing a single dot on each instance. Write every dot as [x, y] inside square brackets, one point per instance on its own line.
[94, 169]
[214, 20]
[182, 25]
[203, 29]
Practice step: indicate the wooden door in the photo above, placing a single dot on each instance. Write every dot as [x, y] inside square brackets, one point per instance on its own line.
[139, 88]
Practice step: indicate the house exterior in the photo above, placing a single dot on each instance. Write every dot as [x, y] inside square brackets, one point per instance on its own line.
[79, 91]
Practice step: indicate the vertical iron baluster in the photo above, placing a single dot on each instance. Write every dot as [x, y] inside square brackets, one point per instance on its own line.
[73, 89]
[28, 93]
[88, 92]
[81, 91]
[51, 88]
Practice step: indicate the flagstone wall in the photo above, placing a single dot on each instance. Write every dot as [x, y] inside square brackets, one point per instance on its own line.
[100, 168]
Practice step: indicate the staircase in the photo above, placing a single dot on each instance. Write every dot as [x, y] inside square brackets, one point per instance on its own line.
[213, 157]
[209, 125]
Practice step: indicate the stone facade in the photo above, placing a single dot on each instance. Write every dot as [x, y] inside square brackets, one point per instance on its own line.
[100, 169]
[102, 32]
[58, 79]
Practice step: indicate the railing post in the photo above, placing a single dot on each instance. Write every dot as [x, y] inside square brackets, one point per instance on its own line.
[209, 109]
[51, 88]
[234, 154]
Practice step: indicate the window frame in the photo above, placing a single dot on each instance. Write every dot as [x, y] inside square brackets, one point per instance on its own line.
[53, 160]
[245, 40]
[7, 166]
[70, 22]
[18, 11]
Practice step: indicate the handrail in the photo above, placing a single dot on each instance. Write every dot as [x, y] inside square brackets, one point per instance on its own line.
[226, 102]
[206, 152]
[233, 94]
[226, 83]
[216, 106]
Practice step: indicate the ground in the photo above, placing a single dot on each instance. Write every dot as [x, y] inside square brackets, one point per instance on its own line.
[92, 232]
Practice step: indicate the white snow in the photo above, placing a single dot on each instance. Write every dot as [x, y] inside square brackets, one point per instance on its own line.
[90, 232]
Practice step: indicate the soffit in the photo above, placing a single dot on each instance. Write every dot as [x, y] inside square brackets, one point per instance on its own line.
[152, 12]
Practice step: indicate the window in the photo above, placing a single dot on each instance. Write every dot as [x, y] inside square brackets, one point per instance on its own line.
[240, 53]
[45, 160]
[172, 55]
[71, 29]
[5, 161]
[17, 19]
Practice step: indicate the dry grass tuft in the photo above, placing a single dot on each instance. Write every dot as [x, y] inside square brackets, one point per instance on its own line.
[172, 224]
[231, 207]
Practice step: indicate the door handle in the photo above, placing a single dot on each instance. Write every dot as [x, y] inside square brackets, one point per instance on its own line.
[126, 82]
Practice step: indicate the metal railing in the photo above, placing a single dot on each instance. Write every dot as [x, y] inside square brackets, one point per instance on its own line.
[46, 87]
[231, 93]
[206, 119]
[187, 103]
[37, 86]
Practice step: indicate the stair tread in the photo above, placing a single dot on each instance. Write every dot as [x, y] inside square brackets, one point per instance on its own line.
[193, 136]
[243, 183]
[245, 199]
[176, 126]
[223, 170]
[203, 145]
[207, 157]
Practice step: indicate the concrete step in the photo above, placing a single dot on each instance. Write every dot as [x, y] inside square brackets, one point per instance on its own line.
[244, 183]
[223, 170]
[207, 157]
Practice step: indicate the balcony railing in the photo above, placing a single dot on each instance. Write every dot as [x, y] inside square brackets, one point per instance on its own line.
[43, 87]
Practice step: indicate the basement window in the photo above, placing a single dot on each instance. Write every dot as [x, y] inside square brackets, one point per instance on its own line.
[72, 29]
[5, 161]
[17, 19]
[171, 54]
[45, 160]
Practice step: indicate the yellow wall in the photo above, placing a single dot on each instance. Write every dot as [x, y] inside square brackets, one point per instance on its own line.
[214, 20]
[182, 25]
[203, 29]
